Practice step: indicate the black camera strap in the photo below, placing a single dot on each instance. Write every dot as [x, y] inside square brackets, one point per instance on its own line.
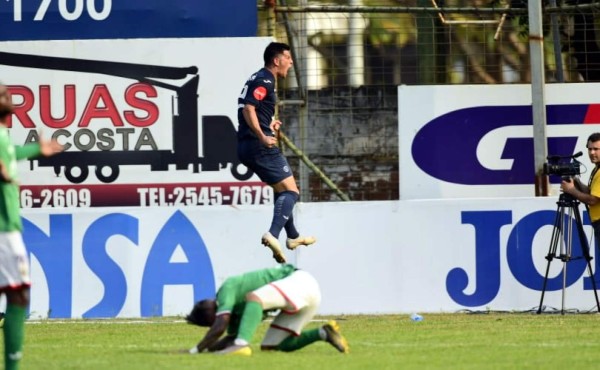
[592, 177]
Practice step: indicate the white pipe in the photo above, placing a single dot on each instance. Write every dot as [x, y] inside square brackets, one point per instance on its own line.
[356, 57]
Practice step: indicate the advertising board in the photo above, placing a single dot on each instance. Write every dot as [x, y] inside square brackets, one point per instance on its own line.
[144, 122]
[108, 19]
[477, 141]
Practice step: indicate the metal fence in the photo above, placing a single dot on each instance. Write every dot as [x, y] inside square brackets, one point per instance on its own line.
[340, 104]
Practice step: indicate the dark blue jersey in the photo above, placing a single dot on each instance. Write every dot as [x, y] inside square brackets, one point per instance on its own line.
[260, 92]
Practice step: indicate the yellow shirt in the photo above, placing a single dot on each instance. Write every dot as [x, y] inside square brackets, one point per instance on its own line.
[595, 191]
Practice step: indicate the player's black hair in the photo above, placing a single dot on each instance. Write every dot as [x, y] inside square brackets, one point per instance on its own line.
[273, 50]
[594, 137]
[5, 110]
[203, 313]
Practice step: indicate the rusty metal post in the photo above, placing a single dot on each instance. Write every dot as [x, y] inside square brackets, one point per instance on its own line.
[538, 103]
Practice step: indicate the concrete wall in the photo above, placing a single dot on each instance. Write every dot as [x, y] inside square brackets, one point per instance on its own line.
[352, 135]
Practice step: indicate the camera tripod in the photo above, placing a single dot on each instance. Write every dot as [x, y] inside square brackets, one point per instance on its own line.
[568, 207]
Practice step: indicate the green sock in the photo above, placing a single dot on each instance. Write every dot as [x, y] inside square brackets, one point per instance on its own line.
[14, 333]
[251, 318]
[304, 339]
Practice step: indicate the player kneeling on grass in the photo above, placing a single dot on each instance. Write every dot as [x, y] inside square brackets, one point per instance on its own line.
[242, 303]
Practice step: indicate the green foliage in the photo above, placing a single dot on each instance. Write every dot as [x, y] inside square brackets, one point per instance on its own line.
[398, 30]
[460, 341]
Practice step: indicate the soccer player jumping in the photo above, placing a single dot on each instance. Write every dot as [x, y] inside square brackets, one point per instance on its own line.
[257, 146]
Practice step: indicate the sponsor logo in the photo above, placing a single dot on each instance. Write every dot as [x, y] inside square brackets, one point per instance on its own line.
[126, 119]
[177, 234]
[447, 147]
[259, 93]
[489, 254]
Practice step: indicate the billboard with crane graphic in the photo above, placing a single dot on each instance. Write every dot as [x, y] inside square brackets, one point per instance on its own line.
[140, 127]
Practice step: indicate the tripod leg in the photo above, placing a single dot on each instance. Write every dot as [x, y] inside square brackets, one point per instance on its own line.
[585, 249]
[554, 241]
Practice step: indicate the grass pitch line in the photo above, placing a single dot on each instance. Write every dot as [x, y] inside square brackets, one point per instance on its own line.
[104, 322]
[123, 321]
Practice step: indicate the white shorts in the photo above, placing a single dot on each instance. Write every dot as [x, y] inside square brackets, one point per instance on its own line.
[14, 264]
[298, 297]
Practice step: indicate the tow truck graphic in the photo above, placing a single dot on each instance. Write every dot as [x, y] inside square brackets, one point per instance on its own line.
[218, 132]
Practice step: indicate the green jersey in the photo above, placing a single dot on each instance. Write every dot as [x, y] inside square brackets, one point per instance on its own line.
[231, 297]
[10, 219]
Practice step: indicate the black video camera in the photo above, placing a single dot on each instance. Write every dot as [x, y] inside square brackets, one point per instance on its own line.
[564, 166]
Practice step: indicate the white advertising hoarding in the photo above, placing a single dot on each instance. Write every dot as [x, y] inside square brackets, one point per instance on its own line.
[370, 257]
[144, 121]
[477, 141]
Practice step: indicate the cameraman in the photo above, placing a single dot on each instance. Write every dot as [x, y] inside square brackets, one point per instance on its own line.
[590, 194]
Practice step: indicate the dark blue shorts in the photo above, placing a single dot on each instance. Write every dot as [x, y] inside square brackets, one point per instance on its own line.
[268, 163]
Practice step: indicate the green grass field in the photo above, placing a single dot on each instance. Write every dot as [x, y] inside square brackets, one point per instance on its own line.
[460, 341]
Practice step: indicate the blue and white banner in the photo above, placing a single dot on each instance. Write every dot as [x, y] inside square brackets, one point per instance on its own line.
[370, 257]
[477, 141]
[137, 262]
[119, 19]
